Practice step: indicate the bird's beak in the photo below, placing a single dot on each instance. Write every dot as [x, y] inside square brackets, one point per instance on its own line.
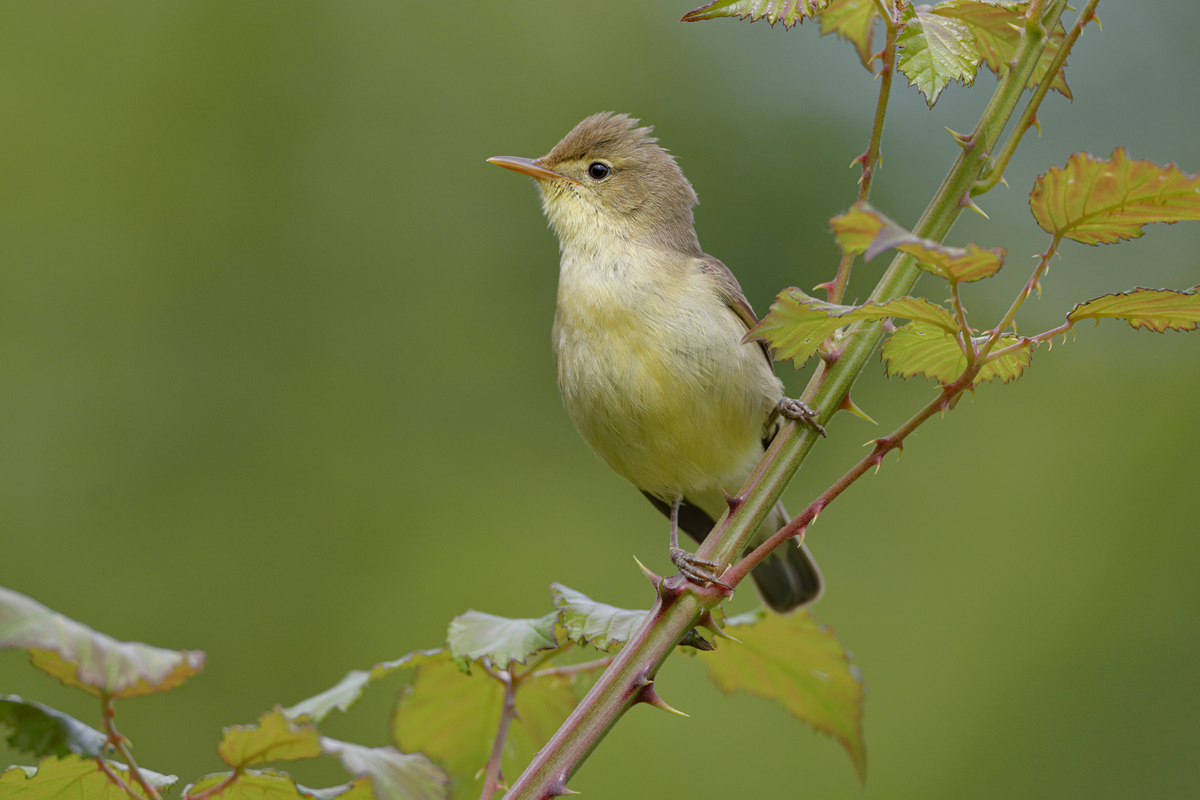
[530, 167]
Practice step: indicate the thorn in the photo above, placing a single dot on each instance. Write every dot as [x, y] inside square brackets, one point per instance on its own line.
[848, 405]
[731, 501]
[708, 622]
[900, 451]
[1004, 181]
[969, 202]
[964, 141]
[558, 788]
[1036, 124]
[889, 326]
[655, 580]
[859, 160]
[649, 696]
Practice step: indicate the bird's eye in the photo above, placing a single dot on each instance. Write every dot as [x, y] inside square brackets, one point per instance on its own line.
[598, 170]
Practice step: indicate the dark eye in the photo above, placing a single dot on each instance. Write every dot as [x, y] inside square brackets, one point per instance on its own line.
[598, 171]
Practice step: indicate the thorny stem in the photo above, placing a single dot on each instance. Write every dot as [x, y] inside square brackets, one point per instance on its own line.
[119, 741]
[968, 346]
[1038, 271]
[1029, 115]
[491, 782]
[870, 159]
[681, 605]
[115, 778]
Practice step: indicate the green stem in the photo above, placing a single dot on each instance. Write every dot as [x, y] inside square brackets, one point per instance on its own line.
[117, 740]
[680, 606]
[1042, 265]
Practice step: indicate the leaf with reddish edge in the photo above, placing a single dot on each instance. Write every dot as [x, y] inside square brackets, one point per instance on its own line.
[1107, 200]
[1158, 310]
[997, 28]
[789, 12]
[854, 21]
[798, 323]
[921, 349]
[76, 777]
[476, 636]
[800, 664]
[933, 50]
[274, 738]
[88, 659]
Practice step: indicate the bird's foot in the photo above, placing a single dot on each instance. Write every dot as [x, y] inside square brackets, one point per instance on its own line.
[799, 410]
[699, 570]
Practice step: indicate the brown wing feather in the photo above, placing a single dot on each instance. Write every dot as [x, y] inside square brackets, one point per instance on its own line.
[734, 297]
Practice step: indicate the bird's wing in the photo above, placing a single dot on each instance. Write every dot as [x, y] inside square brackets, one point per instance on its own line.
[731, 293]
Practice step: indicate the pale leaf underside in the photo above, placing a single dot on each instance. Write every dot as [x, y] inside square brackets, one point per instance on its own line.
[1158, 310]
[476, 636]
[789, 12]
[43, 731]
[350, 688]
[75, 777]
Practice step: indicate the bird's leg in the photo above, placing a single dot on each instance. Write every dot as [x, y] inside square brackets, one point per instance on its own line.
[697, 570]
[797, 410]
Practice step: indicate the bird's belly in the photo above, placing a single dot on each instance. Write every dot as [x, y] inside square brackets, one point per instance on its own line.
[672, 402]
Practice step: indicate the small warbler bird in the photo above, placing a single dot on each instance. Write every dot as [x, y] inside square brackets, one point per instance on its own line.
[648, 340]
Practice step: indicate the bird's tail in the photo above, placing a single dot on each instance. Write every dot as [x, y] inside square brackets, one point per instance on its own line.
[788, 578]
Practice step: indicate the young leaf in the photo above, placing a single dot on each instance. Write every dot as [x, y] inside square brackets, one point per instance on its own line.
[854, 21]
[591, 623]
[270, 784]
[933, 50]
[789, 12]
[347, 691]
[997, 26]
[93, 661]
[75, 777]
[797, 323]
[474, 636]
[1159, 310]
[865, 230]
[394, 775]
[921, 349]
[1103, 201]
[42, 731]
[799, 664]
[274, 738]
[452, 717]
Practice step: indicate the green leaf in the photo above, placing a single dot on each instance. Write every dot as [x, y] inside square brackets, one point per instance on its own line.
[75, 777]
[270, 784]
[797, 323]
[1103, 201]
[854, 21]
[274, 738]
[921, 349]
[475, 636]
[933, 50]
[394, 775]
[865, 230]
[789, 12]
[799, 664]
[997, 27]
[42, 731]
[347, 691]
[592, 623]
[1159, 310]
[92, 661]
[452, 717]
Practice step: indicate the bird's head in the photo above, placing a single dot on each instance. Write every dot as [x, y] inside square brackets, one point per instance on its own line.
[608, 179]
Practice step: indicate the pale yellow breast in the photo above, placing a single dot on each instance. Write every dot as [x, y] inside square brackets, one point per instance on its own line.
[654, 375]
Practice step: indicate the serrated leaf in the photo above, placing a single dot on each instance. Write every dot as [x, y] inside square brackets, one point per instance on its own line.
[1159, 310]
[921, 349]
[854, 21]
[800, 664]
[43, 731]
[274, 738]
[270, 784]
[997, 28]
[475, 636]
[589, 622]
[1103, 201]
[865, 230]
[789, 12]
[88, 659]
[797, 323]
[347, 691]
[452, 717]
[73, 776]
[933, 50]
[394, 775]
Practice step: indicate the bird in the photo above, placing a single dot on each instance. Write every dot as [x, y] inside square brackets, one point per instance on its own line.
[648, 341]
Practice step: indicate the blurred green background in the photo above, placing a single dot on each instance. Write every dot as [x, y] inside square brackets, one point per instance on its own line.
[276, 381]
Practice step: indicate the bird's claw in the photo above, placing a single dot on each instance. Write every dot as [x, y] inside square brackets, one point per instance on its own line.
[700, 571]
[799, 410]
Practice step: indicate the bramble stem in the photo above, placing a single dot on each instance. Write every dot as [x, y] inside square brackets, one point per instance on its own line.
[115, 778]
[491, 782]
[1029, 115]
[1042, 265]
[870, 159]
[964, 340]
[119, 741]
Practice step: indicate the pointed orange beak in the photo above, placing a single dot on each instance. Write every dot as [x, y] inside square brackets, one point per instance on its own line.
[530, 167]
